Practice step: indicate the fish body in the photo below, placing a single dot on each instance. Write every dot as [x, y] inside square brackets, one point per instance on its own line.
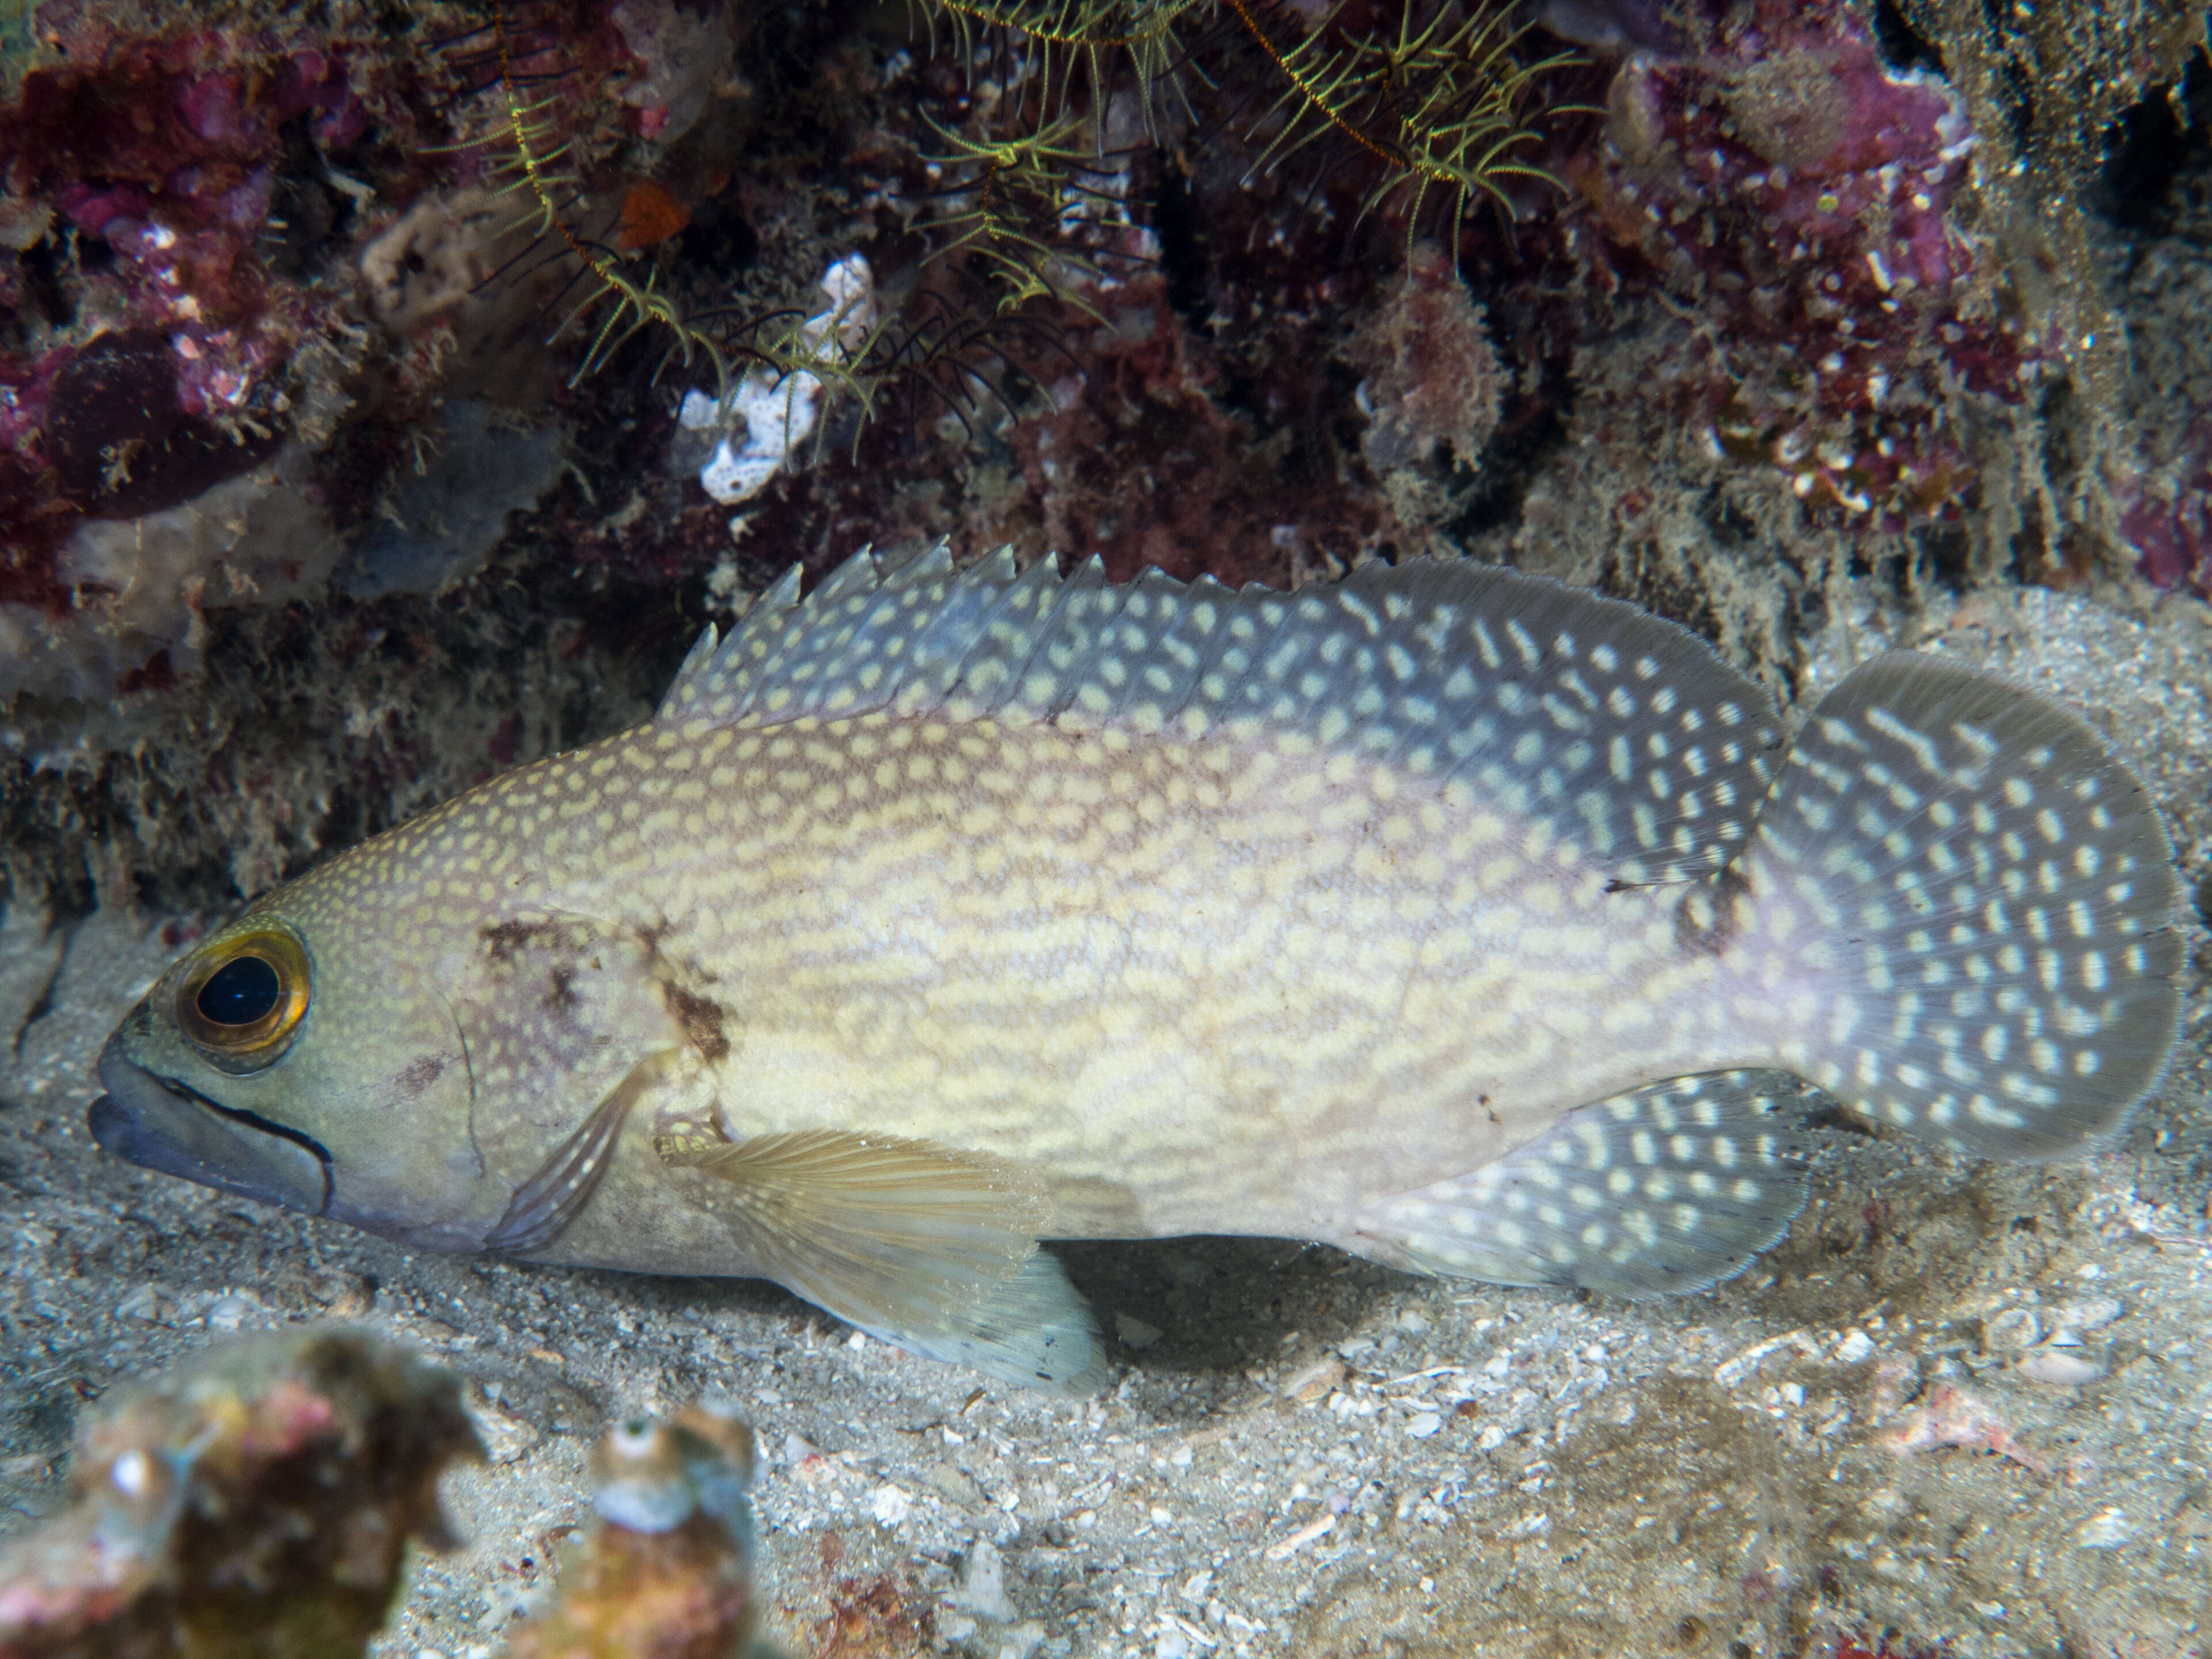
[1462, 920]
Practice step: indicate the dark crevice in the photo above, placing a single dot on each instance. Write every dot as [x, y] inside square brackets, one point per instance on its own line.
[1183, 244]
[2166, 134]
[1903, 46]
[41, 1005]
[2019, 102]
[1945, 557]
[719, 240]
[306, 216]
[1533, 426]
[41, 265]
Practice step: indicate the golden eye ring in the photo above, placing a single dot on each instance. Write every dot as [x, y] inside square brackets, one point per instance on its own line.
[245, 998]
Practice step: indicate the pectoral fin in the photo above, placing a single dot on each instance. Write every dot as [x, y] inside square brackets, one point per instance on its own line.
[927, 1248]
[1032, 1329]
[546, 1203]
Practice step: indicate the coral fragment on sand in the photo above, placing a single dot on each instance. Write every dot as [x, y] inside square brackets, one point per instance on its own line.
[1951, 1416]
[666, 1572]
[258, 1499]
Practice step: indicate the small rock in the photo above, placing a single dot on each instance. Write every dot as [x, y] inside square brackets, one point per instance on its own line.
[2011, 1331]
[1856, 1346]
[1195, 1587]
[1314, 1382]
[1413, 1322]
[505, 1438]
[2060, 1367]
[890, 1505]
[1023, 1640]
[954, 1485]
[2107, 1530]
[148, 1303]
[982, 1587]
[1490, 1438]
[1422, 1424]
[1950, 1416]
[1134, 1332]
[343, 1294]
[2091, 1314]
[230, 1311]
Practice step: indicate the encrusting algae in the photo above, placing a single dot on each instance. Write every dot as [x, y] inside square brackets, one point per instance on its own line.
[1468, 922]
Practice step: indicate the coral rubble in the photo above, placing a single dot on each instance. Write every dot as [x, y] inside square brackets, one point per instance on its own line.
[262, 1499]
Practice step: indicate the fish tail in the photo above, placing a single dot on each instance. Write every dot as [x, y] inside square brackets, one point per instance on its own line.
[1966, 903]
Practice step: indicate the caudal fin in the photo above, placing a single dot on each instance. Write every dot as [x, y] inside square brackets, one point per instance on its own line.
[1983, 900]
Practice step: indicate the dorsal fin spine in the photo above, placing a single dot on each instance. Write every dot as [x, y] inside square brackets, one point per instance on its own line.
[680, 700]
[990, 671]
[1085, 610]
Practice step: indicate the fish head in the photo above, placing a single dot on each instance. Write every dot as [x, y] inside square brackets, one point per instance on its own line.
[302, 1062]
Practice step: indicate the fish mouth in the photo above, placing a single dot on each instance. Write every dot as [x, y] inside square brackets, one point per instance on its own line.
[163, 1124]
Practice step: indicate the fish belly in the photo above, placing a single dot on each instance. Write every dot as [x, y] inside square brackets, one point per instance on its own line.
[1198, 985]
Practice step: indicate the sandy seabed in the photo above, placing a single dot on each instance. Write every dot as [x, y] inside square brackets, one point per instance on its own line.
[1962, 1404]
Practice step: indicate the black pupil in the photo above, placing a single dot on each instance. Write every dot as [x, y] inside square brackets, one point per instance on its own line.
[244, 989]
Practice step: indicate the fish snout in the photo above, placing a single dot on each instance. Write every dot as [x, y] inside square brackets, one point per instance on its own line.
[164, 1124]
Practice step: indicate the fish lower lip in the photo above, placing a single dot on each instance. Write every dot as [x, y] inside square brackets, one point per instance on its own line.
[192, 1140]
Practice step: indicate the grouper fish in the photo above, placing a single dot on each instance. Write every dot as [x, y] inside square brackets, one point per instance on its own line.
[1468, 922]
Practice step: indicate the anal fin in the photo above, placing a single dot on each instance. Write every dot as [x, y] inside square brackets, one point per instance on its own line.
[1666, 1189]
[929, 1248]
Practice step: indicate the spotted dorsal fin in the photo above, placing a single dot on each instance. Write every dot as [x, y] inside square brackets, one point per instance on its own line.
[1552, 703]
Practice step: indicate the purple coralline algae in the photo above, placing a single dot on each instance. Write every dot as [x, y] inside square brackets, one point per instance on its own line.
[182, 178]
[2167, 520]
[1794, 196]
[167, 155]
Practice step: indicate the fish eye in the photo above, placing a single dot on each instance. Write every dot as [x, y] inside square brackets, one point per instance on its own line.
[242, 990]
[243, 999]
